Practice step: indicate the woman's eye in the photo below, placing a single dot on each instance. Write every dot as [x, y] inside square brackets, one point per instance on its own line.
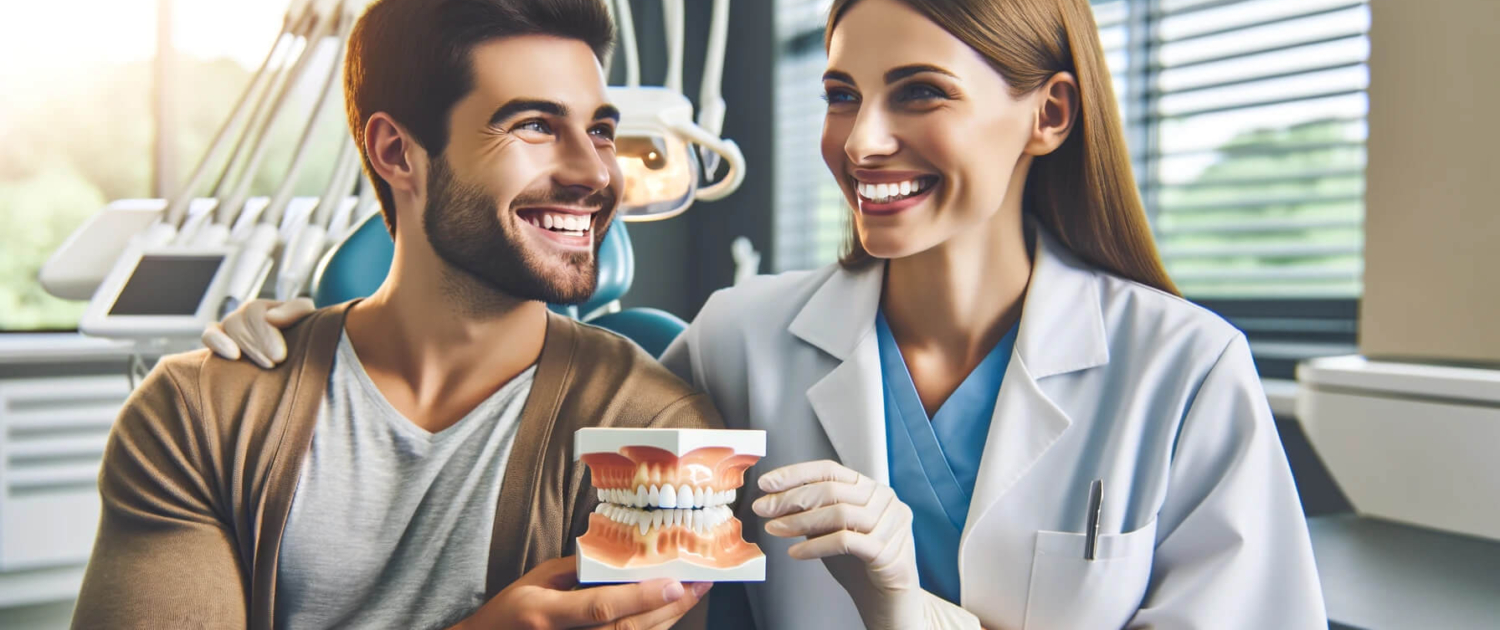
[838, 97]
[920, 92]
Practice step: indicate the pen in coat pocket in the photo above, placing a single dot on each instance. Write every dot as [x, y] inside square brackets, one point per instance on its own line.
[1091, 530]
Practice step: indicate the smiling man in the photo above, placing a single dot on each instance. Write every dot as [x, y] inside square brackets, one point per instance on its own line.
[409, 463]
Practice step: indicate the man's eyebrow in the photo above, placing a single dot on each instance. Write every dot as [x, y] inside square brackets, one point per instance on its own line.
[516, 106]
[896, 74]
[607, 111]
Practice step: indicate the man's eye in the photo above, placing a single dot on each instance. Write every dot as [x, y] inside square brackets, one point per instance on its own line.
[534, 125]
[603, 131]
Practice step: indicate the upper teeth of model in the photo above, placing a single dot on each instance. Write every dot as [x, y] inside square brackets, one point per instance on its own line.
[697, 520]
[667, 496]
[890, 192]
[574, 224]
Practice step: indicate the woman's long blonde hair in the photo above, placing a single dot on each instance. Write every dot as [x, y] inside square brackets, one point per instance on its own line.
[1084, 192]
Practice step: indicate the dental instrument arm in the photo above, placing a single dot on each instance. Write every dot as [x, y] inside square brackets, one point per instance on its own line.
[296, 19]
[672, 18]
[626, 22]
[230, 207]
[301, 254]
[331, 85]
[339, 225]
[256, 123]
[257, 250]
[862, 531]
[711, 88]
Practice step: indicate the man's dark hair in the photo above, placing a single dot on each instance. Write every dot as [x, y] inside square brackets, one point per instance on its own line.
[413, 60]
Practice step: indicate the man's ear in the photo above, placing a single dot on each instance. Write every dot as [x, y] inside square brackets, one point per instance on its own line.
[1056, 113]
[394, 155]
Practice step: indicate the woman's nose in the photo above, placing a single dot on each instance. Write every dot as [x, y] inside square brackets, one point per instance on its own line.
[871, 137]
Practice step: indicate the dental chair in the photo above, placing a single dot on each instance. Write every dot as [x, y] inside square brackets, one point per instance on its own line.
[357, 266]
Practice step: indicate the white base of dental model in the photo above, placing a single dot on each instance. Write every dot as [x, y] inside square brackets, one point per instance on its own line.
[591, 571]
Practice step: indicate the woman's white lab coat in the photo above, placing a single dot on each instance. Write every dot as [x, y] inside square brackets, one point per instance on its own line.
[1201, 526]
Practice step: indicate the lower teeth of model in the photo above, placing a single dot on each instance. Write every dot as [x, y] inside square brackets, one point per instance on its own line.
[699, 520]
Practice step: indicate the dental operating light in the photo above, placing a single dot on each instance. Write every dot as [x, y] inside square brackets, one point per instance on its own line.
[656, 134]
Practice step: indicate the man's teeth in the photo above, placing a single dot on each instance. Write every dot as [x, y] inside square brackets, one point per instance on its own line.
[571, 224]
[700, 521]
[666, 496]
[891, 192]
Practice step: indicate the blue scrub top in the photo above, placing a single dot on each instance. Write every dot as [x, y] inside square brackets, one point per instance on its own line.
[934, 462]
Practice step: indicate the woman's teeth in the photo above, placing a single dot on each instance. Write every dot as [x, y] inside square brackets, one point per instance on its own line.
[883, 193]
[569, 224]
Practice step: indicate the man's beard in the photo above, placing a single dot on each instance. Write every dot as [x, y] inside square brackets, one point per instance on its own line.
[465, 229]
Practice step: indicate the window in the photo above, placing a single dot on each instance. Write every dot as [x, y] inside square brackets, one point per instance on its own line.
[88, 121]
[1246, 124]
[1252, 115]
[75, 131]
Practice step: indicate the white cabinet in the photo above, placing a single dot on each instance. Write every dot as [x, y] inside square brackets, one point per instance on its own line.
[52, 435]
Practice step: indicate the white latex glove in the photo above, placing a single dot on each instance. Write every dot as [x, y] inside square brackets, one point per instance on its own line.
[863, 534]
[254, 329]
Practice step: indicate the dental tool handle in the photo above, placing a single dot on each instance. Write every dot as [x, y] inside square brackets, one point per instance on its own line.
[338, 186]
[627, 44]
[711, 89]
[301, 254]
[229, 209]
[257, 120]
[298, 260]
[252, 263]
[350, 211]
[178, 207]
[283, 195]
[156, 235]
[711, 119]
[211, 235]
[672, 18]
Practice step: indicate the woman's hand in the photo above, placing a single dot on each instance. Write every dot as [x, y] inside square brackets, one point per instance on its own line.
[862, 531]
[254, 329]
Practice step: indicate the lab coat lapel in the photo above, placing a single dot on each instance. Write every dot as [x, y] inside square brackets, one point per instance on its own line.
[839, 319]
[1061, 331]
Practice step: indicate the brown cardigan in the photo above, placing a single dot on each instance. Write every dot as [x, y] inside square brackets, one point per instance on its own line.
[201, 466]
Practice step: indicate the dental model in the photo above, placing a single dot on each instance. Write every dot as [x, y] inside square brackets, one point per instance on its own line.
[665, 498]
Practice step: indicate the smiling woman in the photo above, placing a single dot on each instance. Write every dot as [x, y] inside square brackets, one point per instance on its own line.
[1082, 190]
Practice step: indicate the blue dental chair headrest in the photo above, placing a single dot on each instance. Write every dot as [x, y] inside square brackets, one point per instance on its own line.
[357, 266]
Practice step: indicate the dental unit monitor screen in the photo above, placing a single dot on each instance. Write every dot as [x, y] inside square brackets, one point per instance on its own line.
[167, 285]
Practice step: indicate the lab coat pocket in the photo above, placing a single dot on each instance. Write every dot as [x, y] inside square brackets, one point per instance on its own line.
[1068, 591]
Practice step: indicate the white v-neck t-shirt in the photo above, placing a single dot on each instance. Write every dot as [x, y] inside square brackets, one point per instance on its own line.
[390, 524]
